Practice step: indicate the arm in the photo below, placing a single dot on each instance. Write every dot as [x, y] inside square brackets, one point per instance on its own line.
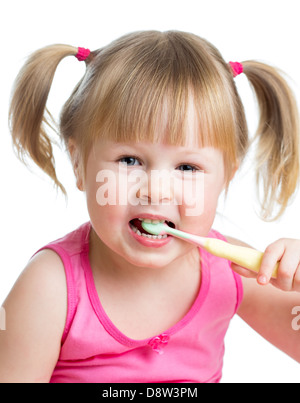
[35, 317]
[266, 306]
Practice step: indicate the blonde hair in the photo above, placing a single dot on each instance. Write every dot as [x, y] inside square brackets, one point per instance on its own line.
[132, 83]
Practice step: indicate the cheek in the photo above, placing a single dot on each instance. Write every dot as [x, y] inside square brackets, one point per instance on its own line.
[201, 210]
[108, 223]
[212, 192]
[200, 198]
[101, 200]
[108, 214]
[211, 197]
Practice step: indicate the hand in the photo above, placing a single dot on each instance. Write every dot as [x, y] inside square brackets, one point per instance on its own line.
[287, 253]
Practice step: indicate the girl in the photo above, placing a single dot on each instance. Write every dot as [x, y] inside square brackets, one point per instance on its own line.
[108, 302]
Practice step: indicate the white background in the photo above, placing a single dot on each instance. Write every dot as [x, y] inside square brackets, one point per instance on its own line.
[32, 214]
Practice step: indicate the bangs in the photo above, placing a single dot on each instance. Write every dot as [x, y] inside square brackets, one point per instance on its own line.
[146, 85]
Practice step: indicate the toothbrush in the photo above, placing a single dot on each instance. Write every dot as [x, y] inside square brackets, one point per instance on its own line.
[241, 255]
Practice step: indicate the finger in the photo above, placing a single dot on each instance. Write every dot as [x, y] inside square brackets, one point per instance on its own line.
[272, 255]
[243, 271]
[296, 281]
[286, 271]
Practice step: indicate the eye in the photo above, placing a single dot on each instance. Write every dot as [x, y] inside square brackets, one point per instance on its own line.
[129, 161]
[187, 168]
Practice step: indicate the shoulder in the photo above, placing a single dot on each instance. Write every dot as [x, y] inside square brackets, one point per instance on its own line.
[42, 281]
[45, 275]
[36, 311]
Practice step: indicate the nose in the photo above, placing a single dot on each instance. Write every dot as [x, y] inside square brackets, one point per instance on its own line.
[158, 188]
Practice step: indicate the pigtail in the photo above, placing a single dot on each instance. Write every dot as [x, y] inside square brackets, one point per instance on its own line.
[28, 115]
[277, 135]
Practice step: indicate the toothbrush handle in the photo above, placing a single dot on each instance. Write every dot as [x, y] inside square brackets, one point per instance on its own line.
[194, 239]
[241, 255]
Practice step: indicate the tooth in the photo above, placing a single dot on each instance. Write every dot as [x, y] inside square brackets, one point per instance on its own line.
[140, 219]
[161, 221]
[134, 229]
[155, 221]
[138, 232]
[159, 236]
[147, 220]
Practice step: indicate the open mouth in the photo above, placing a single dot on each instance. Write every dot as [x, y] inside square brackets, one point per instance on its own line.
[136, 226]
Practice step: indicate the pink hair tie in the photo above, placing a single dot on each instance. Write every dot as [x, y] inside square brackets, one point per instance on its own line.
[237, 68]
[83, 54]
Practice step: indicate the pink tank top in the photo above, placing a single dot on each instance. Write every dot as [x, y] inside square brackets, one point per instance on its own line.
[93, 349]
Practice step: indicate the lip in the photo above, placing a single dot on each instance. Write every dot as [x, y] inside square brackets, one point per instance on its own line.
[150, 243]
[152, 217]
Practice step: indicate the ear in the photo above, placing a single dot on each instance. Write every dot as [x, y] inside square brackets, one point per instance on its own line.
[76, 161]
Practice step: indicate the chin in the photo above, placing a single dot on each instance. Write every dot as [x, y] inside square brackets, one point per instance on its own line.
[149, 262]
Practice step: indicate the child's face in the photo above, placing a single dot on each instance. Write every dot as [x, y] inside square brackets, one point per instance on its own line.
[125, 182]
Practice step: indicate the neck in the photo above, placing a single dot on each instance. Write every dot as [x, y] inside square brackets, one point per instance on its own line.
[105, 261]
